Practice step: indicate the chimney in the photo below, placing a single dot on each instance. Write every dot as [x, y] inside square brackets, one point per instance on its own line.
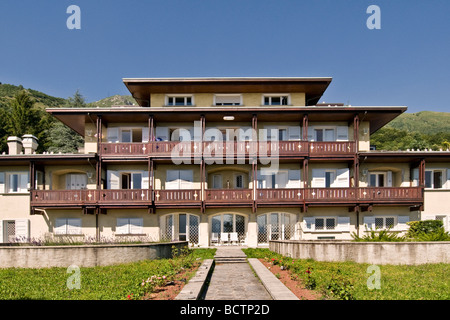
[30, 143]
[14, 145]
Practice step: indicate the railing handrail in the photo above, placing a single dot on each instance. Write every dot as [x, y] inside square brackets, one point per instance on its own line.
[349, 194]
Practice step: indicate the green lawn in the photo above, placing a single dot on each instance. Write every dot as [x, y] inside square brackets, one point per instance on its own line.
[348, 280]
[97, 283]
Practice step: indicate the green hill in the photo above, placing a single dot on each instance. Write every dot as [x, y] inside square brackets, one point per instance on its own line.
[428, 122]
[114, 101]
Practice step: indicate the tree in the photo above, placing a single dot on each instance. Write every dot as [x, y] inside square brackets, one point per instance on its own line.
[22, 117]
[63, 139]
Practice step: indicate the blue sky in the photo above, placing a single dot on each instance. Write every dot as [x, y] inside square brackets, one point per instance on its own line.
[406, 62]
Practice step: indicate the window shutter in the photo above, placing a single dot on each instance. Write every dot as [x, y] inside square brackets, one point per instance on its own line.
[272, 133]
[415, 177]
[446, 186]
[74, 226]
[113, 180]
[122, 226]
[1, 231]
[184, 134]
[343, 178]
[389, 178]
[145, 180]
[162, 133]
[294, 178]
[311, 133]
[402, 220]
[2, 184]
[342, 133]
[245, 134]
[344, 224]
[22, 230]
[236, 100]
[197, 131]
[318, 178]
[369, 221]
[113, 135]
[60, 226]
[294, 133]
[23, 186]
[186, 179]
[309, 223]
[261, 180]
[136, 225]
[145, 134]
[172, 179]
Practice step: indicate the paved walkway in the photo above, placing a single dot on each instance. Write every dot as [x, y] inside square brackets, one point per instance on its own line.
[233, 279]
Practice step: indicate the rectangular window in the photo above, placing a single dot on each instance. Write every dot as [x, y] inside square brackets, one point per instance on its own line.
[129, 226]
[377, 180]
[239, 181]
[18, 182]
[179, 101]
[434, 179]
[325, 223]
[384, 222]
[67, 226]
[276, 100]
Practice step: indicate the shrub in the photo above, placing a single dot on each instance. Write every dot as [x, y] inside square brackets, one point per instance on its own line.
[420, 229]
[439, 235]
[379, 236]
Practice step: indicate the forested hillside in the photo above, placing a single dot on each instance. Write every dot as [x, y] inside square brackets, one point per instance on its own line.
[22, 111]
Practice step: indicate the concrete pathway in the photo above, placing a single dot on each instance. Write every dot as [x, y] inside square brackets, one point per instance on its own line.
[233, 279]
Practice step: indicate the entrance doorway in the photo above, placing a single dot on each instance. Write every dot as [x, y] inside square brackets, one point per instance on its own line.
[180, 227]
[228, 228]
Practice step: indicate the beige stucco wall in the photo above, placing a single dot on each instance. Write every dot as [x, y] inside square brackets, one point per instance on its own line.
[248, 99]
[55, 176]
[400, 173]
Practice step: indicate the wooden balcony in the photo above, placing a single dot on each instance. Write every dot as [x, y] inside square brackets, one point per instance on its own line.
[332, 148]
[128, 197]
[64, 198]
[177, 197]
[233, 149]
[124, 149]
[229, 196]
[284, 196]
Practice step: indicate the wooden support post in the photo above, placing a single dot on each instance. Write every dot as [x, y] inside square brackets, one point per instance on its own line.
[99, 134]
[305, 128]
[356, 131]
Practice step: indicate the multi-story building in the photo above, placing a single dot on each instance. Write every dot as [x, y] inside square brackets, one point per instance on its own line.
[214, 160]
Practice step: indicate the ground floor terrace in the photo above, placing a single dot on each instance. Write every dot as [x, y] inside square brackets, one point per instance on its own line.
[210, 227]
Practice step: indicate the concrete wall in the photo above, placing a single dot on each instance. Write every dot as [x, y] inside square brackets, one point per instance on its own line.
[407, 253]
[84, 255]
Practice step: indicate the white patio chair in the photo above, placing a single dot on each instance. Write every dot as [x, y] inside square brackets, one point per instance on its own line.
[224, 237]
[234, 237]
[215, 238]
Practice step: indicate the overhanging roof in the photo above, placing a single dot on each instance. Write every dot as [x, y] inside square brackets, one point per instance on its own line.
[76, 118]
[142, 88]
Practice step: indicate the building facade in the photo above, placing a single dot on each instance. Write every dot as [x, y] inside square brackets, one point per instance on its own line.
[220, 160]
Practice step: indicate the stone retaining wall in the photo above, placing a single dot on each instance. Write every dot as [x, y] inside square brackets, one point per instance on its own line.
[408, 253]
[83, 255]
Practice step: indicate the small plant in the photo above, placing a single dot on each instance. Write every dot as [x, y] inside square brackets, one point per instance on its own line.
[310, 281]
[384, 235]
[427, 230]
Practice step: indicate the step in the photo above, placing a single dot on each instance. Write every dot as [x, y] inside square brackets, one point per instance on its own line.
[230, 259]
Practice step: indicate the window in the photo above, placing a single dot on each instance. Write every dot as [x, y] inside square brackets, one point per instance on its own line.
[384, 222]
[179, 101]
[67, 226]
[131, 180]
[217, 181]
[324, 135]
[377, 180]
[434, 179]
[179, 179]
[129, 226]
[239, 181]
[276, 100]
[325, 223]
[17, 182]
[227, 100]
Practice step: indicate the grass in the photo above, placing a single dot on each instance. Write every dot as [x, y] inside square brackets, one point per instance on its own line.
[97, 283]
[348, 280]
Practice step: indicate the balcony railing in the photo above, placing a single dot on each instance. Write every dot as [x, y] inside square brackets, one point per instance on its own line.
[64, 197]
[279, 195]
[324, 149]
[132, 197]
[230, 148]
[229, 196]
[178, 197]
